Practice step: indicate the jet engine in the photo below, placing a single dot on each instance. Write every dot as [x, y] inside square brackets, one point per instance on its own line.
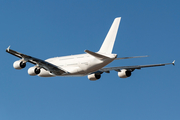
[33, 71]
[19, 64]
[124, 73]
[94, 77]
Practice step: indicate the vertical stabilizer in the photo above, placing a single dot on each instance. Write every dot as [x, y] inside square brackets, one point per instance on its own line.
[108, 43]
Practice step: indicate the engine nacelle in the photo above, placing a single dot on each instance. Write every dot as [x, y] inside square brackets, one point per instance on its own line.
[45, 73]
[94, 77]
[124, 73]
[19, 65]
[33, 71]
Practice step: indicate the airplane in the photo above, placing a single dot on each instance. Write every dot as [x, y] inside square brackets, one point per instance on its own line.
[90, 64]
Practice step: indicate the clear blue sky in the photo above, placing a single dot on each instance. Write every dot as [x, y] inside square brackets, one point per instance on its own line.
[50, 28]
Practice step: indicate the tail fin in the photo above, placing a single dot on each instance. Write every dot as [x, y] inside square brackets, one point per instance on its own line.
[108, 43]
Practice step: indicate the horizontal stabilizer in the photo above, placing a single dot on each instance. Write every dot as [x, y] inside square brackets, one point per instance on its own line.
[97, 55]
[130, 57]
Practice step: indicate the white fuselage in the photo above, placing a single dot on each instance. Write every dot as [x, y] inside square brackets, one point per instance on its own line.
[77, 65]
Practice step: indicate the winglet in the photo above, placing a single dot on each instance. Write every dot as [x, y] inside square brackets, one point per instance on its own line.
[173, 62]
[8, 48]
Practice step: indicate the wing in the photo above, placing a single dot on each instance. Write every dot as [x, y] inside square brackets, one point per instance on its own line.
[132, 68]
[40, 63]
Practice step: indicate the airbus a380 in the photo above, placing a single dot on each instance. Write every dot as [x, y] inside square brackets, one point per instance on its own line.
[91, 63]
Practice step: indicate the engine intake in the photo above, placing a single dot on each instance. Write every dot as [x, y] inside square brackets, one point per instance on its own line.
[94, 77]
[124, 73]
[33, 71]
[19, 64]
